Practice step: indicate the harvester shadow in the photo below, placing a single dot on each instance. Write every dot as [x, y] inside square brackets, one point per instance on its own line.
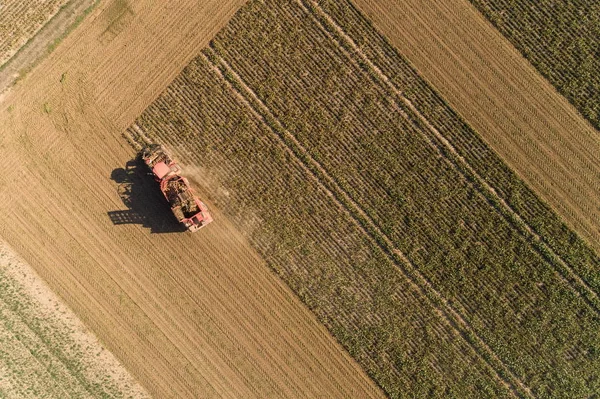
[145, 202]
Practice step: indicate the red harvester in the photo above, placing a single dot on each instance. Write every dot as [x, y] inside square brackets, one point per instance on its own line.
[186, 207]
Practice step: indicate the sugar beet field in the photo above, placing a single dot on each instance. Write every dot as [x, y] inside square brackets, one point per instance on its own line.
[422, 253]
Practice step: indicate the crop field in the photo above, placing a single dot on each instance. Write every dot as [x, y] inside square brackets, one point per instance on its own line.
[21, 20]
[188, 315]
[45, 351]
[561, 39]
[515, 110]
[30, 30]
[426, 257]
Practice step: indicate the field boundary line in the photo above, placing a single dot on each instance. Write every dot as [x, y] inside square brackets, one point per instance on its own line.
[365, 223]
[566, 272]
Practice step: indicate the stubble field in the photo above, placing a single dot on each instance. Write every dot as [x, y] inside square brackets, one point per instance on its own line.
[432, 263]
[45, 351]
[30, 30]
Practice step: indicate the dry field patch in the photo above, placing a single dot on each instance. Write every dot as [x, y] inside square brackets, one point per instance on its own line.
[34, 29]
[46, 351]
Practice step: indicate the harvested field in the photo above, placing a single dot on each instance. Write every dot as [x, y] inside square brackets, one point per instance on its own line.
[21, 20]
[189, 316]
[432, 263]
[497, 92]
[46, 352]
[561, 39]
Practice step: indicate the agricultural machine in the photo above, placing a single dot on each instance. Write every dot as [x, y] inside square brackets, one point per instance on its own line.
[187, 208]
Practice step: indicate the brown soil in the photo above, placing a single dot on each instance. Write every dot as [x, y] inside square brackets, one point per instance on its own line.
[189, 315]
[521, 116]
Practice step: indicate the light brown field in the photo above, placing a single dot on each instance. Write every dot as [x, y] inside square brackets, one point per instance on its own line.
[189, 315]
[520, 115]
[43, 41]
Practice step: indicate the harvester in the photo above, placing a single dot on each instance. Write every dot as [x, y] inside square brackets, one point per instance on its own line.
[186, 206]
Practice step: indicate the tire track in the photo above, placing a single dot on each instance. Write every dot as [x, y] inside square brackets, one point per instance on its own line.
[366, 224]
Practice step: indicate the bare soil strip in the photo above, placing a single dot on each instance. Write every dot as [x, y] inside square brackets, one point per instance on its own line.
[521, 116]
[560, 39]
[188, 315]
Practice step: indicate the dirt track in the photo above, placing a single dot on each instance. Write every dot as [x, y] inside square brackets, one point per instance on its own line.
[533, 128]
[189, 315]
